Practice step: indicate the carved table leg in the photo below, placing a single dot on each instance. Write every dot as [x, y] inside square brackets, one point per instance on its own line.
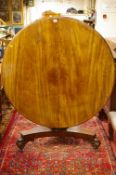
[95, 143]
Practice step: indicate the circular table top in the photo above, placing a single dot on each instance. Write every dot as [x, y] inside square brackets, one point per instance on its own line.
[58, 72]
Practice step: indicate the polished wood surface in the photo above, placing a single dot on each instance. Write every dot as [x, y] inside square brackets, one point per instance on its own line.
[58, 72]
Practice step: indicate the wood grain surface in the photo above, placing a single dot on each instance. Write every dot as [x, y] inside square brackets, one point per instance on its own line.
[58, 72]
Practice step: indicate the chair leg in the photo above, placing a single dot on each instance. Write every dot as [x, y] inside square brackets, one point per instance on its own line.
[110, 131]
[102, 115]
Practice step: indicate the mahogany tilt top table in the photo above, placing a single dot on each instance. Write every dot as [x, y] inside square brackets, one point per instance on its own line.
[58, 72]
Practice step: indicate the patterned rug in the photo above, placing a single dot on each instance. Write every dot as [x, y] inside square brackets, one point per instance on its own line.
[56, 155]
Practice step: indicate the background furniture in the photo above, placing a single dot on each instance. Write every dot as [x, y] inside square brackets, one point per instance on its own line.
[112, 123]
[112, 111]
[112, 45]
[11, 11]
[109, 112]
[0, 97]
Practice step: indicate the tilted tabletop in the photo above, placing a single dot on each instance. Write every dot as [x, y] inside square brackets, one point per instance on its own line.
[58, 72]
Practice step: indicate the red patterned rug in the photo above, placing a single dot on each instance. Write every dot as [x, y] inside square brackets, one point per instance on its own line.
[54, 155]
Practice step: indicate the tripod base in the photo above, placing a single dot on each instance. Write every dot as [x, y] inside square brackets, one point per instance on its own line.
[37, 132]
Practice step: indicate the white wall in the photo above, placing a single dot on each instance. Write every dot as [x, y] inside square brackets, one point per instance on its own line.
[61, 6]
[106, 26]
